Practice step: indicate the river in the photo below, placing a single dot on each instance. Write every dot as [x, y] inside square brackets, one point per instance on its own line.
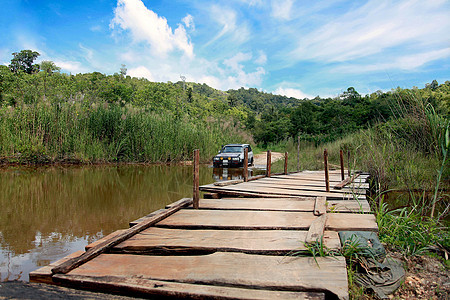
[48, 212]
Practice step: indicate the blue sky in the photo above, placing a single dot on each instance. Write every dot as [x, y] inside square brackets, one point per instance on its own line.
[289, 47]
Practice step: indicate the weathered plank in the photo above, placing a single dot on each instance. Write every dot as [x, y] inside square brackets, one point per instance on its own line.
[286, 273]
[228, 182]
[102, 247]
[284, 204]
[349, 221]
[132, 223]
[344, 182]
[316, 229]
[167, 241]
[44, 274]
[250, 188]
[320, 206]
[105, 238]
[355, 206]
[314, 185]
[264, 220]
[300, 187]
[143, 287]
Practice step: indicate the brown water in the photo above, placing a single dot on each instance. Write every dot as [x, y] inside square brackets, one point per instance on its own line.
[48, 212]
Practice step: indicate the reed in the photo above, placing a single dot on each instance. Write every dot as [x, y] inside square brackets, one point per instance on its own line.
[43, 132]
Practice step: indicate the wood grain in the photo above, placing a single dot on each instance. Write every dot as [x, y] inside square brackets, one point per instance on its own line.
[144, 287]
[104, 246]
[325, 274]
[172, 241]
[264, 220]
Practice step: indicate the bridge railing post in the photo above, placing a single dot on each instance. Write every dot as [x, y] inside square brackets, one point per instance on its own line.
[245, 164]
[285, 163]
[341, 155]
[327, 178]
[269, 163]
[196, 185]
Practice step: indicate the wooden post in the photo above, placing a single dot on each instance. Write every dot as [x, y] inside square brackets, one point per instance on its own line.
[327, 178]
[246, 164]
[285, 163]
[269, 163]
[298, 153]
[348, 163]
[341, 154]
[196, 191]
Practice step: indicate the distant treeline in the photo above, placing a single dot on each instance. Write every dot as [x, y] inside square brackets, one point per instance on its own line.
[93, 116]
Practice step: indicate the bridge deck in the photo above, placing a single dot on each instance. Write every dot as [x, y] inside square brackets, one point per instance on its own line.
[231, 248]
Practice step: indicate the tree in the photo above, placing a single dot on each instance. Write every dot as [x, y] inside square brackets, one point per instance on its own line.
[49, 67]
[23, 61]
[123, 70]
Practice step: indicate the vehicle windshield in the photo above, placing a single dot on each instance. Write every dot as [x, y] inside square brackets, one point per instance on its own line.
[232, 149]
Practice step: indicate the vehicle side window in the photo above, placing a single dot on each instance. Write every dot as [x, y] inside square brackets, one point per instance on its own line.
[249, 148]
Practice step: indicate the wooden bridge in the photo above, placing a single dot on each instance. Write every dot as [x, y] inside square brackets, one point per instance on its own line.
[237, 246]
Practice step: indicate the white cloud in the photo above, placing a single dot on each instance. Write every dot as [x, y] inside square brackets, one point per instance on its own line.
[141, 72]
[374, 28]
[282, 9]
[227, 19]
[405, 63]
[262, 58]
[290, 92]
[146, 26]
[189, 22]
[73, 67]
[95, 28]
[235, 62]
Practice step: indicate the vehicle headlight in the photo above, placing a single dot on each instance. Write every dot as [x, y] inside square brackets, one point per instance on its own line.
[235, 158]
[216, 158]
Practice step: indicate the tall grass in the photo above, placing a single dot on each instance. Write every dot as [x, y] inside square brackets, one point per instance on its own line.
[105, 133]
[408, 153]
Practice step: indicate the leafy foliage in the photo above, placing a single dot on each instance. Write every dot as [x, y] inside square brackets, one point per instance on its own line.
[23, 62]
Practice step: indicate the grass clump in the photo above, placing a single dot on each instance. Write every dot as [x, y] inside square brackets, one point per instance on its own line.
[43, 132]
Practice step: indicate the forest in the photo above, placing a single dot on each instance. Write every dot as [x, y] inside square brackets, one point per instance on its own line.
[50, 116]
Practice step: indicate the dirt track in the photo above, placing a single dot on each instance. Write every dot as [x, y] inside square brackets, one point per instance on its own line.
[261, 159]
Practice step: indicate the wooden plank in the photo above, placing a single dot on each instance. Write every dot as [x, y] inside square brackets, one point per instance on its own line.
[353, 222]
[284, 204]
[264, 220]
[132, 223]
[344, 182]
[103, 239]
[228, 182]
[306, 189]
[355, 206]
[238, 219]
[316, 229]
[306, 183]
[322, 274]
[247, 189]
[298, 187]
[44, 274]
[156, 240]
[320, 207]
[102, 247]
[143, 287]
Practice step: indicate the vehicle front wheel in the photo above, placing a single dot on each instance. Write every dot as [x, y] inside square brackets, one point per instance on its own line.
[251, 161]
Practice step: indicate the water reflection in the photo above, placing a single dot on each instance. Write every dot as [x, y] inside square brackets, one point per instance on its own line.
[47, 213]
[221, 174]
